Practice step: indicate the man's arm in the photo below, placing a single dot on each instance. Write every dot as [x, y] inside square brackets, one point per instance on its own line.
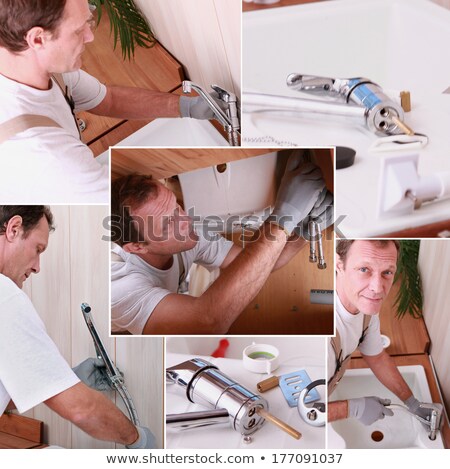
[386, 371]
[219, 306]
[93, 413]
[292, 248]
[337, 410]
[137, 103]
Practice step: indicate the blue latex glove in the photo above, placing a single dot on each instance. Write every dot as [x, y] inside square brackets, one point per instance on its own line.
[146, 439]
[92, 372]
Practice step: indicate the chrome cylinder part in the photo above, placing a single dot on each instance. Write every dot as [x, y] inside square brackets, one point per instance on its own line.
[206, 385]
[321, 264]
[381, 110]
[312, 241]
[190, 420]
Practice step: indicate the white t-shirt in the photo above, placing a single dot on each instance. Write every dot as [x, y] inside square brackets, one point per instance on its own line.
[350, 327]
[50, 164]
[31, 368]
[137, 287]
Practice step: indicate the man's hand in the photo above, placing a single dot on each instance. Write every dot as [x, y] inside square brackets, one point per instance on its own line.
[322, 213]
[299, 190]
[416, 408]
[92, 372]
[146, 439]
[369, 409]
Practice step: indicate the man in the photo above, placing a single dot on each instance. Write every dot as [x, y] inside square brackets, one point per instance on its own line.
[46, 160]
[32, 370]
[365, 272]
[156, 245]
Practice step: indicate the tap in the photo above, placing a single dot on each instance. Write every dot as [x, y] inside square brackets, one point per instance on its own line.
[204, 384]
[228, 118]
[435, 420]
[356, 100]
[382, 113]
[312, 241]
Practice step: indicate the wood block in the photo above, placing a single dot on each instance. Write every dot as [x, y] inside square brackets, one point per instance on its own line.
[23, 427]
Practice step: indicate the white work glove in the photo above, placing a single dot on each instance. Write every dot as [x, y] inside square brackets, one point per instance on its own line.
[92, 372]
[146, 439]
[197, 108]
[369, 409]
[299, 190]
[414, 406]
[322, 213]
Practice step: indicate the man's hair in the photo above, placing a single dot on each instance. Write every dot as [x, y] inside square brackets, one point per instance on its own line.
[128, 192]
[31, 216]
[344, 245]
[17, 17]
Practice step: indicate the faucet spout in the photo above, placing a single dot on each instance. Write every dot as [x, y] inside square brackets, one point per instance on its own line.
[228, 118]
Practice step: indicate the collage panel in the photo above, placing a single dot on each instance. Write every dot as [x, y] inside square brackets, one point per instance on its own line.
[245, 393]
[387, 367]
[342, 82]
[60, 321]
[241, 247]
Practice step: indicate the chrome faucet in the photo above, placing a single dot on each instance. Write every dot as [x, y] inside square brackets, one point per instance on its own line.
[228, 118]
[435, 420]
[353, 99]
[382, 113]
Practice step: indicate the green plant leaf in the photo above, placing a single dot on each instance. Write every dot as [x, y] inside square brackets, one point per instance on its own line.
[128, 26]
[409, 298]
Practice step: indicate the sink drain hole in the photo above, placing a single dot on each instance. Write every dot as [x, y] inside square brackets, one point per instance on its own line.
[377, 436]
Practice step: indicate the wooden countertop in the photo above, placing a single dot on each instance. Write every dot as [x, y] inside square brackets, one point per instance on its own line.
[18, 432]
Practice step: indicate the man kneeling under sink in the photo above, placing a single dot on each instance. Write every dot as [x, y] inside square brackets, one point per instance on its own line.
[32, 370]
[156, 244]
[365, 272]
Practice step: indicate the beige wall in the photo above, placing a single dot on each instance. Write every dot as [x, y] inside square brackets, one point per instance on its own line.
[204, 35]
[434, 262]
[75, 269]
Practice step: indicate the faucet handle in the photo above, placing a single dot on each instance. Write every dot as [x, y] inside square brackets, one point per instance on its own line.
[322, 86]
[223, 94]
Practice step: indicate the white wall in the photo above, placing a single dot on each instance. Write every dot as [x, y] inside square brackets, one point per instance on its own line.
[75, 269]
[204, 35]
[434, 263]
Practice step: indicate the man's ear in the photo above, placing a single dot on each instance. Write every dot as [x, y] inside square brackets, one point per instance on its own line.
[37, 37]
[339, 264]
[14, 227]
[135, 248]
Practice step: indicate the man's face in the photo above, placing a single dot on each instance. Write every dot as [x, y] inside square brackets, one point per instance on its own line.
[64, 47]
[164, 225]
[23, 253]
[367, 277]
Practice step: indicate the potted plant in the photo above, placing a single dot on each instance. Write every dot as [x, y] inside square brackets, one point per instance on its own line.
[128, 25]
[409, 298]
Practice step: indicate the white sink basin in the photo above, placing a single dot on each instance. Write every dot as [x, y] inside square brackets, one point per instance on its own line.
[176, 133]
[399, 431]
[399, 44]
